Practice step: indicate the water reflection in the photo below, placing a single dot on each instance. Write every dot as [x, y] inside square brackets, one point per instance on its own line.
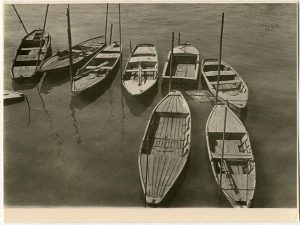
[75, 125]
[139, 104]
[53, 80]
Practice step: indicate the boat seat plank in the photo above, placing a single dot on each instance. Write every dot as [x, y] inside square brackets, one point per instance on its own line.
[236, 81]
[222, 73]
[232, 156]
[211, 63]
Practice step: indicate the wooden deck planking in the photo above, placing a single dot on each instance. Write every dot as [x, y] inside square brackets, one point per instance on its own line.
[167, 175]
[150, 174]
[155, 171]
[160, 172]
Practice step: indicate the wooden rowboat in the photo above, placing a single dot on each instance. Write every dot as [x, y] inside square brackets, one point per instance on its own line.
[98, 69]
[185, 68]
[28, 59]
[238, 170]
[165, 147]
[140, 73]
[81, 53]
[232, 88]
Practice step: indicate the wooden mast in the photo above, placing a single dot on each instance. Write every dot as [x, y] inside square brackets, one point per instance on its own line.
[41, 38]
[171, 62]
[70, 46]
[106, 22]
[222, 154]
[220, 55]
[111, 30]
[225, 113]
[120, 36]
[20, 18]
[179, 38]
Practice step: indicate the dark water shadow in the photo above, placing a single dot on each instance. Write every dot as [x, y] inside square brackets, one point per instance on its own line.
[139, 104]
[86, 98]
[26, 84]
[53, 80]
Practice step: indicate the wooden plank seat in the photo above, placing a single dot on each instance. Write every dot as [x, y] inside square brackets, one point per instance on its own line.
[132, 70]
[231, 156]
[21, 58]
[222, 73]
[31, 48]
[211, 63]
[236, 81]
[107, 55]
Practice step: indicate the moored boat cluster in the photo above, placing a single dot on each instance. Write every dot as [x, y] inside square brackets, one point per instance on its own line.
[166, 144]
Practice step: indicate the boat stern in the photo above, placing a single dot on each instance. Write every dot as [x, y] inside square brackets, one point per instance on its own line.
[153, 200]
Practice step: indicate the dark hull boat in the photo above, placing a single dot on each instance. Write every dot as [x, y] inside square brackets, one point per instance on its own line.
[98, 69]
[238, 170]
[141, 71]
[28, 58]
[81, 53]
[165, 147]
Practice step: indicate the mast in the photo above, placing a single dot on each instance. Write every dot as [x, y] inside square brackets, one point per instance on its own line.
[106, 21]
[70, 46]
[42, 37]
[111, 30]
[179, 38]
[120, 36]
[220, 55]
[171, 61]
[222, 155]
[20, 18]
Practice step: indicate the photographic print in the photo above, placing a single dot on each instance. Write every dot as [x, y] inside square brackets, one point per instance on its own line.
[150, 105]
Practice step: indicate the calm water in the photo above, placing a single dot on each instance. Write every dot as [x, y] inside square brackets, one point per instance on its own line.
[83, 151]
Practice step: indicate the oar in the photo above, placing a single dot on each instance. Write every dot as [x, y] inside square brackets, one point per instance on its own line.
[20, 18]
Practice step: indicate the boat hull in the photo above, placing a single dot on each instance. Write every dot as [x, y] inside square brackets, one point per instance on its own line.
[165, 148]
[25, 66]
[59, 63]
[143, 59]
[236, 101]
[238, 169]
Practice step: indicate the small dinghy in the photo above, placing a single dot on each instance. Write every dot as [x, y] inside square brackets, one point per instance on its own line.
[232, 88]
[238, 169]
[185, 68]
[33, 50]
[140, 73]
[165, 147]
[81, 53]
[98, 69]
[12, 96]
